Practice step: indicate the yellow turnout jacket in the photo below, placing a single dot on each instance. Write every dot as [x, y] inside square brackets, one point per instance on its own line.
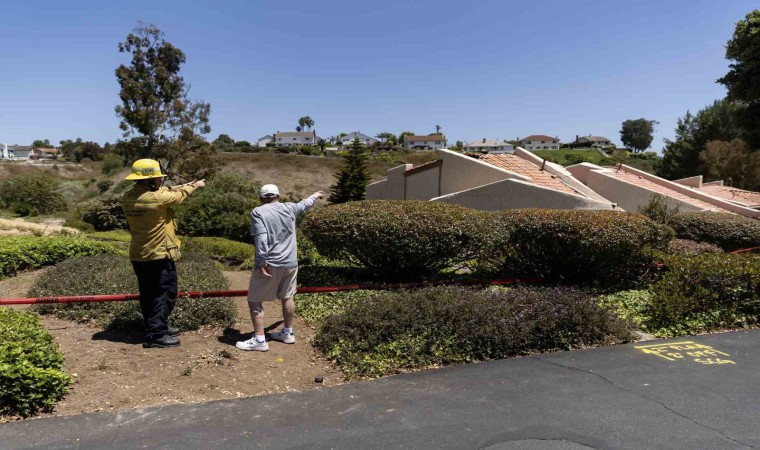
[151, 221]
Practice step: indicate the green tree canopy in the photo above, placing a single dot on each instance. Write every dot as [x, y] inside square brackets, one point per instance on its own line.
[41, 143]
[743, 77]
[637, 134]
[156, 115]
[353, 176]
[403, 135]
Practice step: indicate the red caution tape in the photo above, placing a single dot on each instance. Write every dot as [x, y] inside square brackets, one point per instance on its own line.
[743, 250]
[244, 293]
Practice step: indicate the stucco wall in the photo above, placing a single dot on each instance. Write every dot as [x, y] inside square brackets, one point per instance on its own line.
[423, 185]
[628, 196]
[377, 191]
[516, 194]
[460, 172]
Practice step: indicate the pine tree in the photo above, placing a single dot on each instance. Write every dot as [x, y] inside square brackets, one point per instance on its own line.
[352, 177]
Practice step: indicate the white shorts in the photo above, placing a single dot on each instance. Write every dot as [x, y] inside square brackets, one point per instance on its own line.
[282, 285]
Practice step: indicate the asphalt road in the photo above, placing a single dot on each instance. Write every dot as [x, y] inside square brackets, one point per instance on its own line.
[693, 393]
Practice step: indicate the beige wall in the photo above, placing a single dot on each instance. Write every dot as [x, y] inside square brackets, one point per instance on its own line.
[460, 172]
[390, 189]
[377, 191]
[423, 185]
[691, 181]
[516, 194]
[628, 196]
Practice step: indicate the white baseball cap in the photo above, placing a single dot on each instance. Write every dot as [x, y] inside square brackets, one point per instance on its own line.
[269, 190]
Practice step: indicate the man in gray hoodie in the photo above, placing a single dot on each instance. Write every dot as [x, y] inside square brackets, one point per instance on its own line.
[273, 229]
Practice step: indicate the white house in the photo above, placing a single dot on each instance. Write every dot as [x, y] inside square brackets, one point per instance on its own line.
[489, 146]
[539, 142]
[264, 140]
[363, 138]
[17, 152]
[294, 138]
[432, 142]
[593, 141]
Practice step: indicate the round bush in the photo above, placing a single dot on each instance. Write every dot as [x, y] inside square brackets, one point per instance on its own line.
[706, 292]
[575, 246]
[30, 195]
[31, 365]
[103, 213]
[112, 274]
[397, 240]
[392, 331]
[687, 247]
[729, 231]
[221, 209]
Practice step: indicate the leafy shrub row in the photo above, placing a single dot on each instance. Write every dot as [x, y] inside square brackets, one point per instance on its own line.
[729, 231]
[113, 274]
[576, 246]
[395, 331]
[31, 365]
[233, 253]
[409, 240]
[396, 239]
[24, 253]
[706, 292]
[103, 214]
[30, 195]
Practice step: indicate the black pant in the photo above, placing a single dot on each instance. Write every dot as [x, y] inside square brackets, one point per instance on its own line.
[158, 294]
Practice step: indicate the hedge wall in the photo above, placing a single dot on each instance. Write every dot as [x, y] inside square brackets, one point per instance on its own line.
[25, 253]
[729, 231]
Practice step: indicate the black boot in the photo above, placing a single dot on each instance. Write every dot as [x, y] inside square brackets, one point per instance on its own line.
[172, 331]
[162, 342]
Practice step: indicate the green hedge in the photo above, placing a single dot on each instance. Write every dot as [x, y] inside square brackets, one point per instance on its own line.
[397, 240]
[574, 246]
[24, 253]
[395, 331]
[706, 292]
[32, 194]
[729, 231]
[229, 252]
[103, 213]
[687, 247]
[31, 365]
[112, 274]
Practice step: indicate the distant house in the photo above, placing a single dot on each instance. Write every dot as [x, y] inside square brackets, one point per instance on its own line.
[489, 146]
[264, 140]
[363, 138]
[44, 153]
[539, 142]
[593, 141]
[432, 142]
[17, 152]
[295, 138]
[489, 182]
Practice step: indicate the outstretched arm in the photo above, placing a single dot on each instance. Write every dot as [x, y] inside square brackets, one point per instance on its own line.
[306, 204]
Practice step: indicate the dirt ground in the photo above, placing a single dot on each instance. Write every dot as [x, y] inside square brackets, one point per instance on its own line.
[112, 371]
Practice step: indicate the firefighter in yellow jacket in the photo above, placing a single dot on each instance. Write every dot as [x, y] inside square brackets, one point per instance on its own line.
[154, 247]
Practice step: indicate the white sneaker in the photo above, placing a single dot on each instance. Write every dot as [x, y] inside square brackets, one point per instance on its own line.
[287, 338]
[252, 345]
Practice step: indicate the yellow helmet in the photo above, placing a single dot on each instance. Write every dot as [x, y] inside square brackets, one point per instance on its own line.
[145, 168]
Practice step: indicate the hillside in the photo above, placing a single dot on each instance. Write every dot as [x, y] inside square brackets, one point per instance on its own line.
[646, 161]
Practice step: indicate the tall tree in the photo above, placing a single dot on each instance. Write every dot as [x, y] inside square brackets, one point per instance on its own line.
[156, 115]
[716, 122]
[437, 129]
[41, 143]
[403, 135]
[299, 128]
[306, 122]
[732, 162]
[637, 134]
[743, 77]
[387, 137]
[353, 176]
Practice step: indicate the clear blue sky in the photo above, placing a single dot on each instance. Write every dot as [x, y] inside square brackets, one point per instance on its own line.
[496, 69]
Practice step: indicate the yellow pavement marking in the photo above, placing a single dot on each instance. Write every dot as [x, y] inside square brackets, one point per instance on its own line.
[675, 351]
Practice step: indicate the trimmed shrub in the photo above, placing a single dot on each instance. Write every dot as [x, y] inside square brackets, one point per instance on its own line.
[395, 331]
[103, 213]
[221, 209]
[25, 253]
[229, 252]
[111, 274]
[575, 246]
[31, 365]
[706, 292]
[30, 195]
[112, 163]
[729, 231]
[315, 308]
[397, 240]
[687, 247]
[658, 209]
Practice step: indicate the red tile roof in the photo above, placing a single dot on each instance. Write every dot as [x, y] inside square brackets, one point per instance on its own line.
[515, 164]
[432, 137]
[638, 180]
[749, 198]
